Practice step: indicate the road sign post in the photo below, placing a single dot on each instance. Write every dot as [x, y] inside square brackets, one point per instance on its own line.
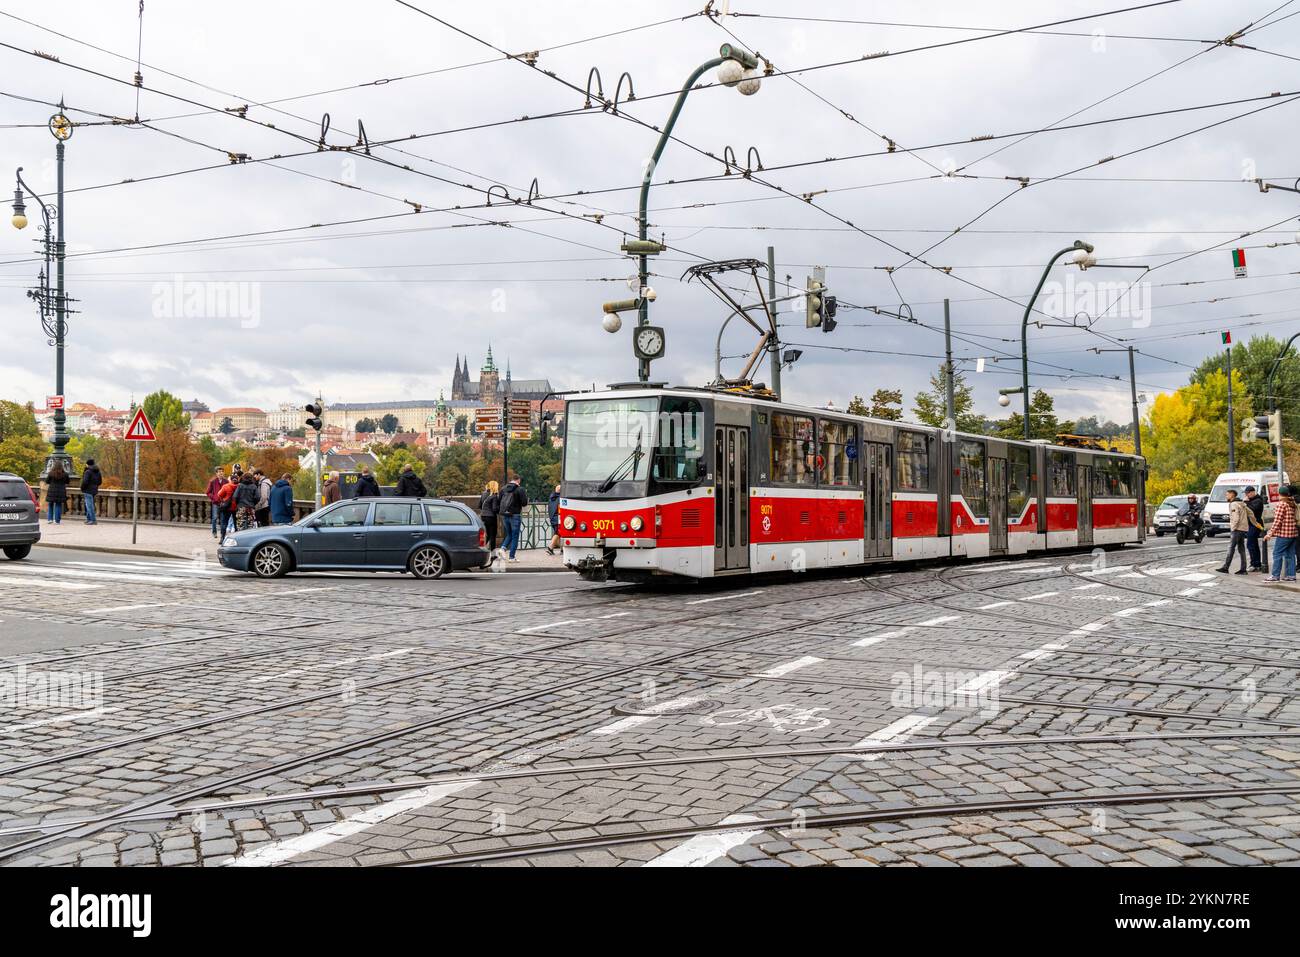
[138, 431]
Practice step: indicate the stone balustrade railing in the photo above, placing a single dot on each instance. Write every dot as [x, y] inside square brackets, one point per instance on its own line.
[192, 508]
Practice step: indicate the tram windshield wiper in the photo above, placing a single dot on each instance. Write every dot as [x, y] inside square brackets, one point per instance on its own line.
[623, 469]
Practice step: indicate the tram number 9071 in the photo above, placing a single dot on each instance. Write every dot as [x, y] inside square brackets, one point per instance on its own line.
[602, 525]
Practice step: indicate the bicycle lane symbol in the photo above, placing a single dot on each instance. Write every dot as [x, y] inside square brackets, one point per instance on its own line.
[782, 717]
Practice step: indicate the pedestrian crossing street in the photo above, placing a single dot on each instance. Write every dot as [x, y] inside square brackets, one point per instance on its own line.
[81, 576]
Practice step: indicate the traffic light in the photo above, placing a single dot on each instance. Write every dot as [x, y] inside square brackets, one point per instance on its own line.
[1248, 431]
[829, 308]
[314, 419]
[1275, 428]
[813, 297]
[1260, 427]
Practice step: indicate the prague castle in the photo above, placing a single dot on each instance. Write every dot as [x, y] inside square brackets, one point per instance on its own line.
[426, 415]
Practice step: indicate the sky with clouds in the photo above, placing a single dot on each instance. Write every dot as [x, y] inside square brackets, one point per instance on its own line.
[362, 277]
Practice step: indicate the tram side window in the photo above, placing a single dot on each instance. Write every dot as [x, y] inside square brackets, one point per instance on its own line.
[1018, 472]
[1060, 470]
[679, 449]
[838, 448]
[1112, 478]
[793, 461]
[974, 486]
[913, 462]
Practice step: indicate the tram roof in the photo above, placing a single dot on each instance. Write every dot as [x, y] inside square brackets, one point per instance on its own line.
[632, 392]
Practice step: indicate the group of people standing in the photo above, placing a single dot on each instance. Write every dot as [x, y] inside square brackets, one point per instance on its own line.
[56, 491]
[502, 507]
[1245, 522]
[247, 500]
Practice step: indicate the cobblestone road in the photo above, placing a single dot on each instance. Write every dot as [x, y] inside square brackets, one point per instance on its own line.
[1129, 708]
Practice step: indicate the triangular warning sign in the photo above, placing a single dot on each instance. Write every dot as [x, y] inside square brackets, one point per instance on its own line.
[140, 430]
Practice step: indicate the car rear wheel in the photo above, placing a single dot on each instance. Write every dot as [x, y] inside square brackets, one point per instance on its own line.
[16, 552]
[270, 561]
[429, 561]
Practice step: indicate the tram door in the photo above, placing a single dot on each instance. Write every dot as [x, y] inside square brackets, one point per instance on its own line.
[731, 498]
[1085, 504]
[997, 506]
[877, 493]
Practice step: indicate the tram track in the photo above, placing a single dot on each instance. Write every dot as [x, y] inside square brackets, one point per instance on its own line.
[844, 818]
[846, 749]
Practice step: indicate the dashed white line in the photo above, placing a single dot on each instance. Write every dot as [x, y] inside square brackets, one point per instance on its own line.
[902, 728]
[27, 582]
[278, 852]
[706, 848]
[705, 601]
[996, 604]
[942, 619]
[789, 666]
[332, 664]
[59, 719]
[1041, 594]
[152, 604]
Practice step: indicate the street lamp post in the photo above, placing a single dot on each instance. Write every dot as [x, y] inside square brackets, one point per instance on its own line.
[55, 328]
[737, 69]
[1086, 249]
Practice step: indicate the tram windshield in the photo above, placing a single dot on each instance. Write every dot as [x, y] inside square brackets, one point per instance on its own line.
[607, 444]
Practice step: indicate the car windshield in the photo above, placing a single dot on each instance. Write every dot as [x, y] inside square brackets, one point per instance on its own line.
[609, 440]
[1220, 492]
[1174, 501]
[11, 491]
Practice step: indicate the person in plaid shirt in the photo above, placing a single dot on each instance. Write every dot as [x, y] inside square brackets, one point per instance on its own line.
[1283, 533]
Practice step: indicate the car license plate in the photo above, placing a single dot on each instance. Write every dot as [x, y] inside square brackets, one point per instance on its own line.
[12, 516]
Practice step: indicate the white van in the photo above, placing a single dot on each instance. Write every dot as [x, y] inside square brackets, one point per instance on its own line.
[1216, 511]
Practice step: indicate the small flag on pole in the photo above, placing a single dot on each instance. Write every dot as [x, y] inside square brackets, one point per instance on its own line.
[1239, 263]
[1227, 338]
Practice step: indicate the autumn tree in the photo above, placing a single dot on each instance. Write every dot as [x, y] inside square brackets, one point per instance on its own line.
[172, 463]
[1251, 362]
[22, 450]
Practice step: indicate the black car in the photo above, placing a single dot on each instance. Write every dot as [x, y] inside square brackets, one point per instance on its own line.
[20, 526]
[426, 537]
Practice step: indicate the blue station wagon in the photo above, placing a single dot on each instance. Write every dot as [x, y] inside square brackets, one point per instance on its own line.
[426, 537]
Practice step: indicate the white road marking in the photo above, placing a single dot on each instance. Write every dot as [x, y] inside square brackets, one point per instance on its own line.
[63, 571]
[872, 640]
[705, 601]
[1196, 577]
[1104, 571]
[570, 621]
[652, 712]
[27, 582]
[332, 664]
[265, 855]
[1086, 587]
[1189, 592]
[706, 848]
[1036, 571]
[902, 728]
[60, 719]
[981, 682]
[996, 604]
[1042, 594]
[1017, 566]
[170, 567]
[789, 666]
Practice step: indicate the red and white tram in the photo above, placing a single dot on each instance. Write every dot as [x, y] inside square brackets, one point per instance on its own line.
[702, 483]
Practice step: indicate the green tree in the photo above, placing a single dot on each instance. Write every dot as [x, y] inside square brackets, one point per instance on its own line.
[165, 411]
[366, 425]
[931, 407]
[82, 447]
[226, 426]
[388, 424]
[304, 484]
[391, 463]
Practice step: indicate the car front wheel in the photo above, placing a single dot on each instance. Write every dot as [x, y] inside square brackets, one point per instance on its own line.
[270, 561]
[16, 552]
[429, 561]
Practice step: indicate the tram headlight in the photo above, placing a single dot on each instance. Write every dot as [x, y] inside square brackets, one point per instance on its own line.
[569, 523]
[622, 526]
[582, 526]
[637, 523]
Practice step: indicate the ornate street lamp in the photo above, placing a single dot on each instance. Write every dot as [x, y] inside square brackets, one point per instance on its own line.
[53, 307]
[737, 69]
